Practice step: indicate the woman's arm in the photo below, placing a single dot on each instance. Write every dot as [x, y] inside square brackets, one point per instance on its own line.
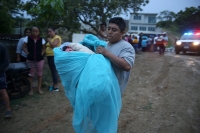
[101, 33]
[55, 43]
[25, 49]
[43, 49]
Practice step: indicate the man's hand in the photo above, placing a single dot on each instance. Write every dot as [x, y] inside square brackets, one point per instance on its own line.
[101, 50]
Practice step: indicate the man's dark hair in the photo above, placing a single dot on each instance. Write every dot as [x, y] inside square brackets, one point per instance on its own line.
[119, 22]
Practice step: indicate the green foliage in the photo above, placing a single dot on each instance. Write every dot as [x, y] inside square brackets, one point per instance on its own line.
[70, 13]
[188, 19]
[183, 20]
[166, 16]
[8, 9]
[164, 24]
[6, 22]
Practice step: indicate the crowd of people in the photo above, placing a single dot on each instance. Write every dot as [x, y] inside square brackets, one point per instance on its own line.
[150, 43]
[31, 49]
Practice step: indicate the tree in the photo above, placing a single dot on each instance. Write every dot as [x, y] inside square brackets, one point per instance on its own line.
[166, 16]
[9, 9]
[188, 19]
[70, 13]
[182, 21]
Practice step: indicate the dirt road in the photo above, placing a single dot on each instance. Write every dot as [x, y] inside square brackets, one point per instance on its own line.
[163, 96]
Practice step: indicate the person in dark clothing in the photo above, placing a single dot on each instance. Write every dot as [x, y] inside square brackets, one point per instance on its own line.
[4, 62]
[34, 47]
[140, 41]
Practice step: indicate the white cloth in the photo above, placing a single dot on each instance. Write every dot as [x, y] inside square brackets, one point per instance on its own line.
[19, 49]
[80, 47]
[154, 40]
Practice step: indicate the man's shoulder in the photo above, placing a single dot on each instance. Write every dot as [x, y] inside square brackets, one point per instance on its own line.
[122, 42]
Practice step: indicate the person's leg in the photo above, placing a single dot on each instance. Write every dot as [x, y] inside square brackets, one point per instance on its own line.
[53, 71]
[156, 47]
[31, 75]
[49, 63]
[148, 48]
[5, 98]
[151, 47]
[160, 49]
[135, 46]
[40, 65]
[163, 48]
[140, 46]
[4, 95]
[40, 85]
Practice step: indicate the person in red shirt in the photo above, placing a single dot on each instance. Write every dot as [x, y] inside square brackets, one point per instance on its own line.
[160, 43]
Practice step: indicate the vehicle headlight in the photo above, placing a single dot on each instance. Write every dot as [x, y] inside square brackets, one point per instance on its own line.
[178, 43]
[196, 43]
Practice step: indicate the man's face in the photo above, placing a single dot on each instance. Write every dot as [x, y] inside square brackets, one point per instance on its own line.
[114, 34]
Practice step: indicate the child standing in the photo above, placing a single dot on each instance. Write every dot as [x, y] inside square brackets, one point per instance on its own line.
[34, 47]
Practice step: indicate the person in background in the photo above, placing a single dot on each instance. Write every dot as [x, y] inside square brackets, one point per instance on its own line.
[135, 44]
[53, 41]
[149, 42]
[165, 39]
[160, 44]
[4, 62]
[21, 55]
[102, 32]
[155, 47]
[130, 40]
[140, 41]
[34, 47]
[119, 52]
[126, 38]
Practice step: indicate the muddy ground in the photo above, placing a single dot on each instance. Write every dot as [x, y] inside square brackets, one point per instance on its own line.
[163, 96]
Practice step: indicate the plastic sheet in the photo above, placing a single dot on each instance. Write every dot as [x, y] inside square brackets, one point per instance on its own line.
[92, 89]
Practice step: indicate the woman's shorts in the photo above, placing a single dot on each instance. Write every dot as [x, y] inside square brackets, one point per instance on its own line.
[36, 67]
[3, 84]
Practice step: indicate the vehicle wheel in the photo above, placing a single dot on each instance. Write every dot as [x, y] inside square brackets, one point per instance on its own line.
[176, 51]
[22, 87]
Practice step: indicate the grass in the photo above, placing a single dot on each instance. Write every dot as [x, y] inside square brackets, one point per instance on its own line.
[148, 106]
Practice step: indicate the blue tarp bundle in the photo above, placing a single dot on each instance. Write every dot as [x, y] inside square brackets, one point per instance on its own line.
[91, 87]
